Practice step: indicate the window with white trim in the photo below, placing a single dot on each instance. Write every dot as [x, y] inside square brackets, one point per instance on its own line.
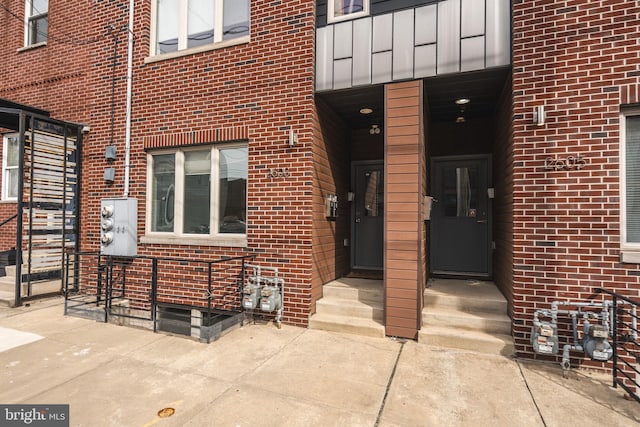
[341, 10]
[630, 180]
[198, 191]
[36, 21]
[10, 155]
[185, 24]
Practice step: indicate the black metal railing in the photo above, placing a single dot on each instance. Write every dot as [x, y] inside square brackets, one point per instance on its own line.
[6, 221]
[130, 290]
[626, 346]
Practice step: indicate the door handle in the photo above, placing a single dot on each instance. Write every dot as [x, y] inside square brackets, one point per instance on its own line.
[482, 221]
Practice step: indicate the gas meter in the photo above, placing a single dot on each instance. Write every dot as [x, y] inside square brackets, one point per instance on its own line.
[544, 338]
[251, 295]
[595, 343]
[271, 298]
[119, 227]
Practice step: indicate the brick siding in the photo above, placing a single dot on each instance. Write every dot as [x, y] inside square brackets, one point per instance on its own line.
[580, 60]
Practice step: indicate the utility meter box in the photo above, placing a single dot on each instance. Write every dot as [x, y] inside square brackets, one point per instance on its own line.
[119, 227]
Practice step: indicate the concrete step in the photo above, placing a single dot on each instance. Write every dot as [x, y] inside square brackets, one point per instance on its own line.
[355, 289]
[346, 324]
[38, 287]
[467, 340]
[351, 307]
[465, 303]
[10, 270]
[454, 318]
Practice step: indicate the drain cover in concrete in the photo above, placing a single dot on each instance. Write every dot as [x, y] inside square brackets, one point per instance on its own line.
[11, 338]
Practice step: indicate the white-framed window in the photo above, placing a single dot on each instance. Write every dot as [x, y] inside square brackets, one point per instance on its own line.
[10, 156]
[187, 24]
[630, 179]
[342, 10]
[198, 192]
[36, 21]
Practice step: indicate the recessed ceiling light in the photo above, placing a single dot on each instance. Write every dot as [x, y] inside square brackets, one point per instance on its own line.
[366, 110]
[460, 119]
[463, 101]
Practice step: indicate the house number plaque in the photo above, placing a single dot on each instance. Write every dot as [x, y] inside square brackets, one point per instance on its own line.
[278, 173]
[565, 163]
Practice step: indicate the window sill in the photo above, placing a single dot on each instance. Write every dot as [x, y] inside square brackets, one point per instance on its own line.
[31, 47]
[8, 201]
[349, 17]
[230, 241]
[199, 49]
[630, 257]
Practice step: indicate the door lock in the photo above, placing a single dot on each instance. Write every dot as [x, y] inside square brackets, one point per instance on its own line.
[482, 221]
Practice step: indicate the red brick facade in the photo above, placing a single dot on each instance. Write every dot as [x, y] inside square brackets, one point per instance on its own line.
[580, 60]
[253, 92]
[557, 232]
[53, 77]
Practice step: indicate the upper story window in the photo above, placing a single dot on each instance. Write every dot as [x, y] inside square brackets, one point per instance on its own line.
[630, 176]
[185, 24]
[10, 154]
[36, 22]
[198, 192]
[341, 10]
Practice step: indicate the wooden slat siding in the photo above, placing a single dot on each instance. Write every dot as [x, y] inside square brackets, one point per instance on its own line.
[45, 157]
[404, 229]
[503, 203]
[331, 175]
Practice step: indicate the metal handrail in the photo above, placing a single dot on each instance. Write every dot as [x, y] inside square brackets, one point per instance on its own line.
[8, 220]
[630, 335]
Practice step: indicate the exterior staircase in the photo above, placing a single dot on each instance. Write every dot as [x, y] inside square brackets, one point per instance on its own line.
[351, 305]
[468, 315]
[38, 287]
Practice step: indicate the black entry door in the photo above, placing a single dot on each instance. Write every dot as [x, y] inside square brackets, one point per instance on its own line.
[367, 220]
[460, 217]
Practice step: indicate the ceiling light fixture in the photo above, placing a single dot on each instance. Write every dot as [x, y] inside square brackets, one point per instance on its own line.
[463, 101]
[366, 110]
[375, 129]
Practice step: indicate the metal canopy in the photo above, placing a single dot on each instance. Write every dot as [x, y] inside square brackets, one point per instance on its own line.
[10, 113]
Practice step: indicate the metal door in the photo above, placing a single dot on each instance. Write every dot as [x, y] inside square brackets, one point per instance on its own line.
[460, 216]
[367, 215]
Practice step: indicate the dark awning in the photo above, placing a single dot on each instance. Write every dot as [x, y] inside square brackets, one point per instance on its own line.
[10, 113]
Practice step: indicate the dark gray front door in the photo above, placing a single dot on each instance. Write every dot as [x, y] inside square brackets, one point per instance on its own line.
[460, 216]
[368, 222]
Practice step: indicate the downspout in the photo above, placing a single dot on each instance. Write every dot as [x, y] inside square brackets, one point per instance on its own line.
[127, 137]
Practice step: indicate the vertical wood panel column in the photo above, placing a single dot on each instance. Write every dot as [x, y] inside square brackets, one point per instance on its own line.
[404, 168]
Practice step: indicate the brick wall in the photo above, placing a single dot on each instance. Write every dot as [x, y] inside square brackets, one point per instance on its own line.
[404, 277]
[265, 86]
[331, 175]
[503, 202]
[580, 60]
[52, 77]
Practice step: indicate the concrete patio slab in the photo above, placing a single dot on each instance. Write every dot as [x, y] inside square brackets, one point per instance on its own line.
[258, 375]
[435, 387]
[11, 338]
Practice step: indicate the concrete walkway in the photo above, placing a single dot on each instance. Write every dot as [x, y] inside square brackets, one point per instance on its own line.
[259, 375]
